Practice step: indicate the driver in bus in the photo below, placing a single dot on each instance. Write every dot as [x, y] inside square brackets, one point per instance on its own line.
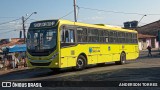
[53, 40]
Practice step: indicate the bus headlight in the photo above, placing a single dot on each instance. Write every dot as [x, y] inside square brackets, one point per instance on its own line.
[54, 56]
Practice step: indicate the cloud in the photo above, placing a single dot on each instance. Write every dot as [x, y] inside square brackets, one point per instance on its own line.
[92, 17]
[100, 13]
[96, 18]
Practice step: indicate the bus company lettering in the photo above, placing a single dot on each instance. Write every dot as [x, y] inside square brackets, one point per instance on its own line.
[94, 49]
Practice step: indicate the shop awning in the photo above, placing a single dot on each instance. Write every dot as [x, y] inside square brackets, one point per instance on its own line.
[17, 48]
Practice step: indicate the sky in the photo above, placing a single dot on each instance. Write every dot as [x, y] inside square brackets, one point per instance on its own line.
[111, 12]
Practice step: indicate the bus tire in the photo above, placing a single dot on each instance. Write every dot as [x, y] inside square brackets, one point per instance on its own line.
[81, 63]
[122, 59]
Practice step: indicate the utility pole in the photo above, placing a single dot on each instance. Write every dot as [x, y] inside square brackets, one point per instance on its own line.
[23, 25]
[75, 13]
[24, 30]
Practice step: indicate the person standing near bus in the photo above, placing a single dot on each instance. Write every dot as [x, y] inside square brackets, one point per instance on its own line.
[149, 51]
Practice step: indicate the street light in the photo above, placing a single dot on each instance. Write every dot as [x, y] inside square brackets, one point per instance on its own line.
[30, 16]
[23, 23]
[141, 19]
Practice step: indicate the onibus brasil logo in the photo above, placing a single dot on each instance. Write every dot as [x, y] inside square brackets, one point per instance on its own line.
[20, 84]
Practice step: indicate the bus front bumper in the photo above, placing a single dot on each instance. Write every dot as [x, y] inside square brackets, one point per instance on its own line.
[43, 63]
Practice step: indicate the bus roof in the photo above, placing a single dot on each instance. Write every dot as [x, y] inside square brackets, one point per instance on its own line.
[102, 26]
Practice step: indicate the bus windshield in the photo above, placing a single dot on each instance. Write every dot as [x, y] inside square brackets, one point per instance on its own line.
[40, 40]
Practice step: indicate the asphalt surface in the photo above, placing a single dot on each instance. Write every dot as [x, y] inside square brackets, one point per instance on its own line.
[143, 69]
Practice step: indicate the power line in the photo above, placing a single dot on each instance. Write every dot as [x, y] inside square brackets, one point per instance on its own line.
[1, 29]
[9, 21]
[66, 14]
[8, 17]
[32, 19]
[116, 11]
[143, 23]
[7, 31]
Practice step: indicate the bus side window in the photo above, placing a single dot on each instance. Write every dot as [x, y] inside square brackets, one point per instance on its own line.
[67, 35]
[72, 36]
[63, 34]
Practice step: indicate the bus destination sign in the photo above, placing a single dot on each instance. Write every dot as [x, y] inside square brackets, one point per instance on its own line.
[43, 24]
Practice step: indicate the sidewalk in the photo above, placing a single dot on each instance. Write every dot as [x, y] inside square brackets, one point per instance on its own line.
[153, 49]
[4, 70]
[144, 53]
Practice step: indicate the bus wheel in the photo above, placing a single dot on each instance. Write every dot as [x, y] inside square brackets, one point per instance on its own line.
[81, 63]
[122, 59]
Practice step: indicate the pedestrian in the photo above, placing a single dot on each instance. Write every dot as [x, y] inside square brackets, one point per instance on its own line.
[149, 51]
[13, 61]
[1, 63]
[20, 59]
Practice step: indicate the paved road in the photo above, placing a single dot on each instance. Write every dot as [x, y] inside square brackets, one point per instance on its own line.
[143, 69]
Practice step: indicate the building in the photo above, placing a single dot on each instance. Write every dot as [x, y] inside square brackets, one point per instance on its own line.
[150, 29]
[147, 35]
[147, 40]
[4, 41]
[13, 41]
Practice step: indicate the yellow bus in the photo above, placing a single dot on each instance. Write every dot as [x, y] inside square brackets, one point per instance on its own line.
[59, 44]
